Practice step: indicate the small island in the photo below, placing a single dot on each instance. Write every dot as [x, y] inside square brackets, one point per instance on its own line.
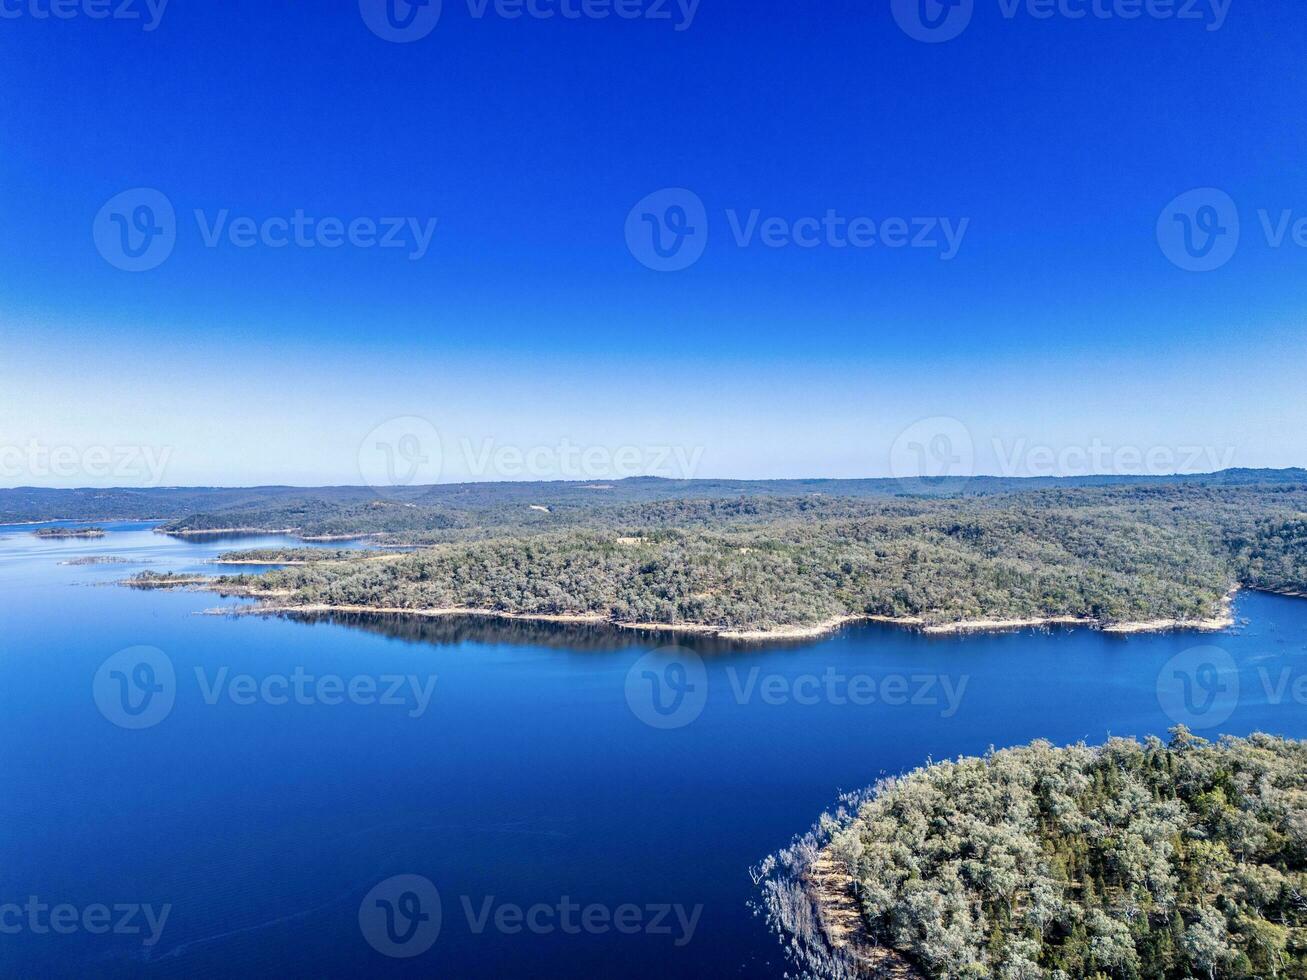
[69, 532]
[102, 560]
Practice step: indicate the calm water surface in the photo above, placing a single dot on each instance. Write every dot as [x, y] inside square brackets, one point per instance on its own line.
[521, 767]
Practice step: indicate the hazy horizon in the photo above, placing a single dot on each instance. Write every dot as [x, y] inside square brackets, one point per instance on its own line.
[695, 479]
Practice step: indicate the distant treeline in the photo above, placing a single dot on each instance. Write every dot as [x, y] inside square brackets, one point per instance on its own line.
[186, 504]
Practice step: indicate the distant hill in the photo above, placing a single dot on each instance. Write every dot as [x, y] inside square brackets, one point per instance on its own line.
[24, 504]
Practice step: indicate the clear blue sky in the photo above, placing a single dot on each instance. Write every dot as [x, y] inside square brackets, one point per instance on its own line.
[1059, 322]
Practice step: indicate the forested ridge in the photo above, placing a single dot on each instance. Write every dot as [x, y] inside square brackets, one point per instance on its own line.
[1149, 861]
[185, 507]
[1107, 554]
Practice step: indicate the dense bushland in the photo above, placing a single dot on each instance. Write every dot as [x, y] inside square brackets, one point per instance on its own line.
[1152, 860]
[1104, 554]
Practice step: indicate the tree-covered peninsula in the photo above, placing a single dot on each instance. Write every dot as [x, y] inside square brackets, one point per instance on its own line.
[1139, 861]
[1114, 557]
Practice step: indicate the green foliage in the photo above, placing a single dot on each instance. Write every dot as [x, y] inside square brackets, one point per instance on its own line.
[1109, 555]
[1127, 860]
[69, 532]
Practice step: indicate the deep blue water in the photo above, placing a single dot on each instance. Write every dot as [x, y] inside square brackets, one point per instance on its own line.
[531, 777]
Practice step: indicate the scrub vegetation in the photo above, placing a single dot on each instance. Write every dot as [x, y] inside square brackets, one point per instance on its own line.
[1129, 860]
[1167, 553]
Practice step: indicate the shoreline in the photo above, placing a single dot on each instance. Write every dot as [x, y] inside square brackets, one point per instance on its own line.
[258, 531]
[291, 562]
[829, 887]
[777, 634]
[1285, 592]
[98, 520]
[206, 532]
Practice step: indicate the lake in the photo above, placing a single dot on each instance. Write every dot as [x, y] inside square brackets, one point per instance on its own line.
[208, 795]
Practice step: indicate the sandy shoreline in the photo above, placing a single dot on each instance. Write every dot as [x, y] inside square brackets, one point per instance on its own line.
[167, 583]
[266, 603]
[291, 531]
[207, 532]
[253, 561]
[778, 634]
[582, 619]
[338, 537]
[364, 555]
